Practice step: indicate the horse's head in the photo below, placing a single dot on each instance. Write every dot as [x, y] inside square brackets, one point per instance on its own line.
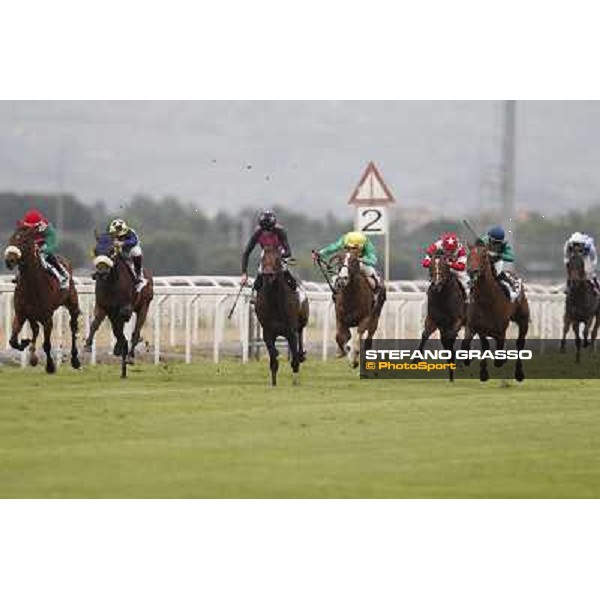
[575, 269]
[478, 261]
[349, 267]
[439, 272]
[21, 247]
[104, 255]
[270, 263]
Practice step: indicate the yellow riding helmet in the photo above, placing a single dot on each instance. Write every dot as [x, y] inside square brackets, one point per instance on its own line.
[355, 239]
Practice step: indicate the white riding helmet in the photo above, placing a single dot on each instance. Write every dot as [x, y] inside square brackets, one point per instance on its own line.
[578, 238]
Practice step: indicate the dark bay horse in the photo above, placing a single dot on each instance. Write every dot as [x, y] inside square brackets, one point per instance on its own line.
[117, 299]
[37, 297]
[280, 313]
[355, 306]
[490, 312]
[581, 306]
[446, 307]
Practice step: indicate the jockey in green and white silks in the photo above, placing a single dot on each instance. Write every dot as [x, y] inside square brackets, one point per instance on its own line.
[500, 253]
[584, 244]
[368, 255]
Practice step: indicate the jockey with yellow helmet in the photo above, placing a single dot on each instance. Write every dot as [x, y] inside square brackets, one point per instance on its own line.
[128, 243]
[368, 255]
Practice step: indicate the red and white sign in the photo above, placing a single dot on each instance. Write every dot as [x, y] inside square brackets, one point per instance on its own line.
[371, 189]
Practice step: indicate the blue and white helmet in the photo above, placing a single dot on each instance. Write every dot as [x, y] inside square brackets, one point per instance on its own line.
[496, 234]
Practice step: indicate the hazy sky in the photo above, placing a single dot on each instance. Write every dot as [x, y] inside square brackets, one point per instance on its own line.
[308, 155]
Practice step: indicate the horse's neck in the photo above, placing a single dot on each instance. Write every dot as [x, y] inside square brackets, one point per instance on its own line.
[486, 286]
[32, 274]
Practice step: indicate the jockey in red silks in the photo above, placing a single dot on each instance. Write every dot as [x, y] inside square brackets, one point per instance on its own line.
[268, 233]
[450, 247]
[46, 241]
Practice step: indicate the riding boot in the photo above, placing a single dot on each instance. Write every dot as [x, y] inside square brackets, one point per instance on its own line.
[59, 271]
[255, 287]
[596, 284]
[139, 273]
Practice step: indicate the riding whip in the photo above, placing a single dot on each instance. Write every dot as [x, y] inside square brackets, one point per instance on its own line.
[319, 263]
[236, 300]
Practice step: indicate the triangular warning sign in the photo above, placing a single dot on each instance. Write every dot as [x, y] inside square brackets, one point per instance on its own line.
[371, 189]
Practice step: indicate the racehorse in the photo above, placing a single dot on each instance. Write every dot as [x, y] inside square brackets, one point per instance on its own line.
[446, 308]
[354, 306]
[490, 312]
[116, 298]
[581, 306]
[280, 313]
[37, 297]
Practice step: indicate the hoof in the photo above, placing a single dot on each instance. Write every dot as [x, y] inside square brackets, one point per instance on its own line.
[302, 357]
[75, 362]
[499, 362]
[19, 345]
[50, 367]
[484, 376]
[467, 362]
[34, 360]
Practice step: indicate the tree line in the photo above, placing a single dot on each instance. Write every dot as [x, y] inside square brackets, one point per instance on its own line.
[179, 238]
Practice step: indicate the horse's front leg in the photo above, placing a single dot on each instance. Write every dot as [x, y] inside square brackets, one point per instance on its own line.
[342, 337]
[563, 341]
[121, 346]
[575, 327]
[498, 362]
[292, 339]
[428, 328]
[448, 339]
[50, 366]
[99, 316]
[466, 343]
[17, 325]
[136, 337]
[269, 339]
[35, 330]
[483, 370]
[586, 331]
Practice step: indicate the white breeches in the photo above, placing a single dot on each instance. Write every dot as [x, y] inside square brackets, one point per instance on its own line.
[135, 251]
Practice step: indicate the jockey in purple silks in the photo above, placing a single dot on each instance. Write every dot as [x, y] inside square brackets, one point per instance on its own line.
[268, 233]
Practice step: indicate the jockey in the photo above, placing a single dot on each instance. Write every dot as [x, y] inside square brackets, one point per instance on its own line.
[268, 233]
[585, 244]
[500, 252]
[47, 242]
[368, 256]
[129, 246]
[455, 254]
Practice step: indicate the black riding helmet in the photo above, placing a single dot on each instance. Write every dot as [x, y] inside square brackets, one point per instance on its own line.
[267, 219]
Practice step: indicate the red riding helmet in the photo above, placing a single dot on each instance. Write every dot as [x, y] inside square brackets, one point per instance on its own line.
[34, 218]
[449, 242]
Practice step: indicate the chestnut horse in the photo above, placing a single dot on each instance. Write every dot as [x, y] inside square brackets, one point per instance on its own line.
[280, 313]
[116, 298]
[355, 306]
[490, 312]
[37, 297]
[582, 305]
[446, 307]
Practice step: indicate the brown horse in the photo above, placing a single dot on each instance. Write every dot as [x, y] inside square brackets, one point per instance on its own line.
[116, 298]
[581, 306]
[37, 297]
[280, 313]
[489, 311]
[355, 306]
[446, 307]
